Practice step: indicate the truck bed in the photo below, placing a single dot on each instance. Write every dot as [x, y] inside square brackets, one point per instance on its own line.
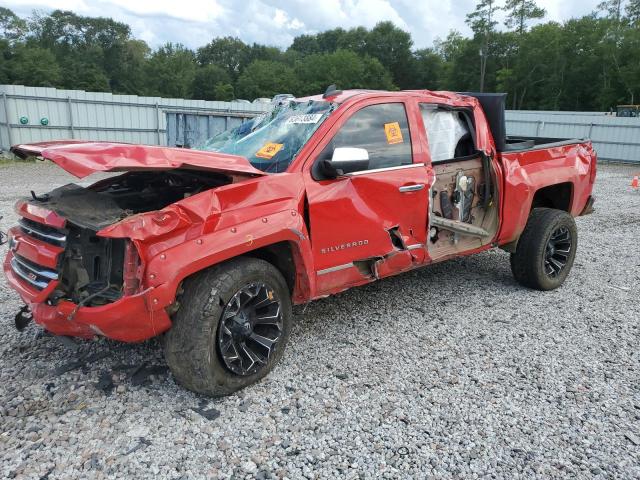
[521, 144]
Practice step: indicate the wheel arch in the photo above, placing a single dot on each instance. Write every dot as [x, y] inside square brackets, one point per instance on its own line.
[281, 256]
[285, 255]
[558, 197]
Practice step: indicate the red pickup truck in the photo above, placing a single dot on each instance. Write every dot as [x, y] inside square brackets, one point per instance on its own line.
[211, 247]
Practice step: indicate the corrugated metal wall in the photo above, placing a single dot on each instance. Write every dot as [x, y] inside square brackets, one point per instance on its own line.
[615, 139]
[83, 115]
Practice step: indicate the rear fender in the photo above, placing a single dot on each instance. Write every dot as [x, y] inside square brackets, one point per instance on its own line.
[528, 172]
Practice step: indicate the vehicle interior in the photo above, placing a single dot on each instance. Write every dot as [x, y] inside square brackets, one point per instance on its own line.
[464, 212]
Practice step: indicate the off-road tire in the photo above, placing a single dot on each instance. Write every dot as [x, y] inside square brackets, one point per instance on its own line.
[527, 263]
[191, 345]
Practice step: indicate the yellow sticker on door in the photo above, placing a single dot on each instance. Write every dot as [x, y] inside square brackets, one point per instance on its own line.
[393, 132]
[269, 150]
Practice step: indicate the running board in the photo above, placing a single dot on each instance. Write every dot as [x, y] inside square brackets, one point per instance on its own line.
[458, 227]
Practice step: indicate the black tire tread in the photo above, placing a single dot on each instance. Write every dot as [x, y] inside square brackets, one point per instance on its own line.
[190, 347]
[526, 261]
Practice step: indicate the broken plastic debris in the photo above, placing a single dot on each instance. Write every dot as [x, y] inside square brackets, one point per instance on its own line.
[209, 414]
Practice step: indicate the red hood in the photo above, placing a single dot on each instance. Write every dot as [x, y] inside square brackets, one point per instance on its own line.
[84, 158]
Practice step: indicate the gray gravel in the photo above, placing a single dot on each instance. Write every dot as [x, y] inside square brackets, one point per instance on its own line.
[451, 371]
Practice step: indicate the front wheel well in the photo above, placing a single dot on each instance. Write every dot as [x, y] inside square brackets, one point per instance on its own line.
[554, 196]
[279, 255]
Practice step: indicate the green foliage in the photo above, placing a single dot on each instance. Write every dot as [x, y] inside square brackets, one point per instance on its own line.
[264, 78]
[224, 92]
[34, 66]
[633, 12]
[227, 52]
[612, 8]
[170, 71]
[12, 27]
[483, 19]
[519, 12]
[588, 63]
[390, 45]
[343, 68]
[128, 74]
[429, 69]
[206, 80]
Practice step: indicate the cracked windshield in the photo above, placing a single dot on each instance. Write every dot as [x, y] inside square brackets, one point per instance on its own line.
[272, 140]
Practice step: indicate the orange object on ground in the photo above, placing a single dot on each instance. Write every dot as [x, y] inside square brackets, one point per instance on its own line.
[635, 183]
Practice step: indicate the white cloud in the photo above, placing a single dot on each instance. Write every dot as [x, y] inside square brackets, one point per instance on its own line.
[277, 22]
[193, 10]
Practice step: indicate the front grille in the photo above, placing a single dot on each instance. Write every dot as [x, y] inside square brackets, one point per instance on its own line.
[43, 232]
[36, 275]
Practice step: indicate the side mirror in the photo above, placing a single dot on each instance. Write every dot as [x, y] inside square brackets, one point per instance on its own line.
[346, 160]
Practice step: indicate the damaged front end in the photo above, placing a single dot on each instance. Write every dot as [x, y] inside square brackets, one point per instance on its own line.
[77, 255]
[99, 264]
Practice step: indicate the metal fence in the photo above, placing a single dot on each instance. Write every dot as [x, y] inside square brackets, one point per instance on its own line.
[36, 114]
[614, 138]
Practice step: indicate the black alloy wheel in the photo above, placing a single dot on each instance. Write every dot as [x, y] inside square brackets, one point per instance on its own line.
[250, 327]
[557, 251]
[546, 249]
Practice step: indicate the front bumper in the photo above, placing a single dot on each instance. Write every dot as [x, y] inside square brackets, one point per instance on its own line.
[130, 319]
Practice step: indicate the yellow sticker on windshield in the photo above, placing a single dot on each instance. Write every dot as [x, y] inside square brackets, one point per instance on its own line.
[269, 150]
[393, 132]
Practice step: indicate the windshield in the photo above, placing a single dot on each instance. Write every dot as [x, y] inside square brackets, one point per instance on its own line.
[272, 140]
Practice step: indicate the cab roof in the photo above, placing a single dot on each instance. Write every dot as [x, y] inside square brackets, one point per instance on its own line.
[345, 96]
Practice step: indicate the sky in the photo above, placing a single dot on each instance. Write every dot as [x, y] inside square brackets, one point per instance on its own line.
[276, 22]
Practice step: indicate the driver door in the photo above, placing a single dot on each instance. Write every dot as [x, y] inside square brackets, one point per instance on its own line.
[369, 223]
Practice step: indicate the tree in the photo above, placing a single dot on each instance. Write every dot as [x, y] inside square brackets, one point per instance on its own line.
[305, 45]
[392, 47]
[450, 50]
[88, 73]
[629, 69]
[34, 66]
[356, 40]
[229, 53]
[633, 12]
[128, 75]
[521, 11]
[428, 69]
[263, 78]
[224, 92]
[613, 9]
[12, 27]
[170, 71]
[482, 22]
[206, 81]
[343, 68]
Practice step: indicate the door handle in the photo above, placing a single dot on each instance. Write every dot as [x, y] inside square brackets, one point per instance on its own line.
[411, 188]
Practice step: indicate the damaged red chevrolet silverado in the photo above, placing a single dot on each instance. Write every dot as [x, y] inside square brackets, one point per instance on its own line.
[211, 247]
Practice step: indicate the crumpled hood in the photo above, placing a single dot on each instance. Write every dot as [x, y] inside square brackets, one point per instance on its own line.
[82, 158]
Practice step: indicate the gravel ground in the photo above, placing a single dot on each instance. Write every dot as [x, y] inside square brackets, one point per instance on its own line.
[450, 371]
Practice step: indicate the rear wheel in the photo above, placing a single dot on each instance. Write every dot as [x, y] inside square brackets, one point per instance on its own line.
[232, 326]
[546, 249]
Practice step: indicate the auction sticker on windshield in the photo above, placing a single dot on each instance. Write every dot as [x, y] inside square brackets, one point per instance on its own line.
[308, 118]
[269, 150]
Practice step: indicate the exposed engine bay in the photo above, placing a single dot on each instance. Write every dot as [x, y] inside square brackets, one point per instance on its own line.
[92, 270]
